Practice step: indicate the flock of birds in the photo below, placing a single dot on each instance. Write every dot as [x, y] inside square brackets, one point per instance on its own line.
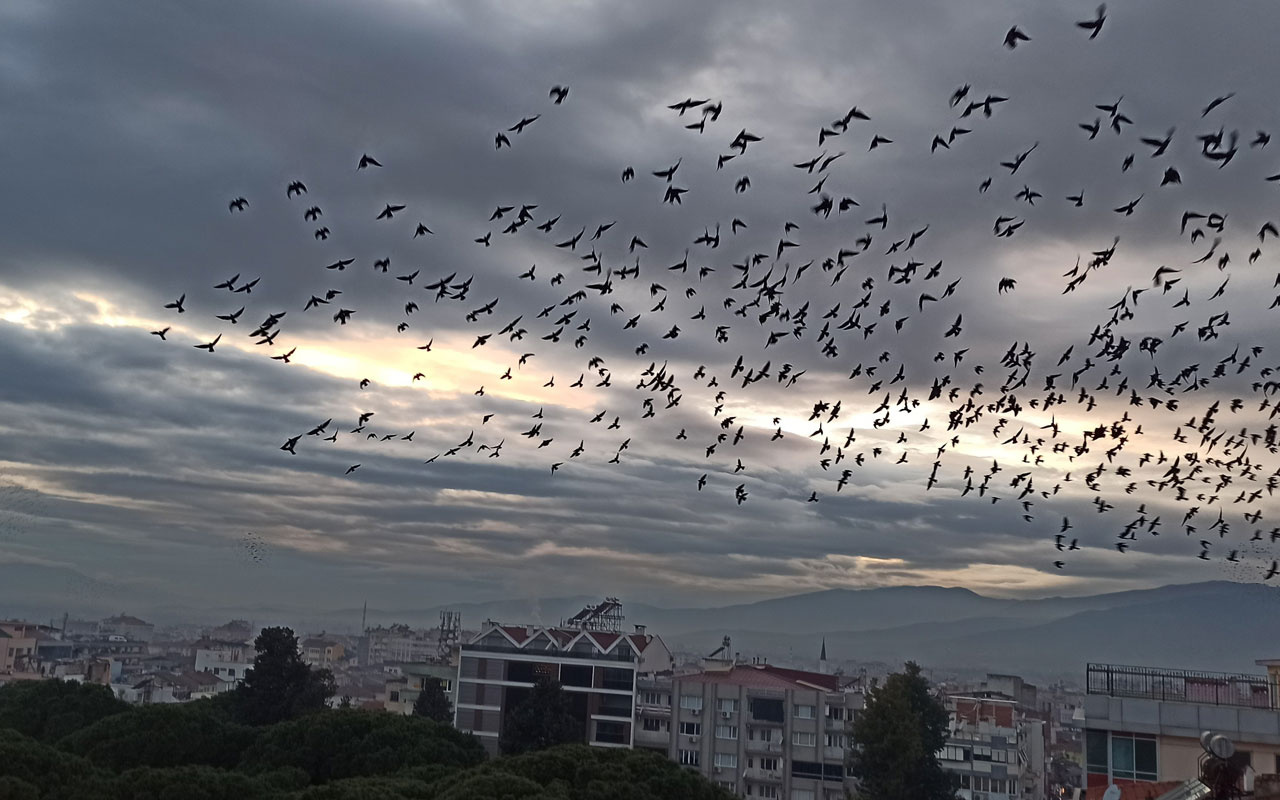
[1220, 404]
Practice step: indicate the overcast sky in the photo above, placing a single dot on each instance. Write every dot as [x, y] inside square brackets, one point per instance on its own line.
[154, 468]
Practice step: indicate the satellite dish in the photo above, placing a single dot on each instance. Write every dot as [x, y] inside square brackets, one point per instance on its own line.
[1221, 747]
[1112, 793]
[1204, 740]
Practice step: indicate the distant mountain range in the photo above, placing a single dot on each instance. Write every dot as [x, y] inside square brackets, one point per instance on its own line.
[1217, 625]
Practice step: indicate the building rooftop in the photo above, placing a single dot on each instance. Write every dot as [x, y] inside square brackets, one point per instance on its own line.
[1182, 686]
[767, 676]
[125, 619]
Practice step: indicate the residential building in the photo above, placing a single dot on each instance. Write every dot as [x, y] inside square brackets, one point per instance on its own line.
[18, 648]
[227, 660]
[405, 681]
[755, 729]
[131, 628]
[237, 630]
[1143, 724]
[396, 644]
[321, 652]
[588, 655]
[171, 687]
[995, 747]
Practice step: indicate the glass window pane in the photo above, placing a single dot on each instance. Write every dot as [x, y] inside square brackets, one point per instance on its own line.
[1144, 758]
[1122, 756]
[1095, 746]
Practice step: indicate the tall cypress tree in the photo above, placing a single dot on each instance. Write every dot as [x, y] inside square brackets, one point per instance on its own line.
[896, 740]
[432, 702]
[280, 685]
[543, 720]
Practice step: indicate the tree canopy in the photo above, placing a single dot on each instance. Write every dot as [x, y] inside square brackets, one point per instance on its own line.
[280, 685]
[196, 751]
[432, 702]
[896, 740]
[543, 719]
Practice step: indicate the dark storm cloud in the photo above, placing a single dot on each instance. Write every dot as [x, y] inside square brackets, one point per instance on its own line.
[132, 126]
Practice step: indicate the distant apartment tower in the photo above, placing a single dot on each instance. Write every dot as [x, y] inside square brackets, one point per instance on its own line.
[587, 654]
[755, 729]
[1143, 724]
[995, 747]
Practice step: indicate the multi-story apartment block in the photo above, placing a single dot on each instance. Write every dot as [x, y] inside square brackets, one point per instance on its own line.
[1143, 724]
[995, 749]
[755, 729]
[229, 660]
[18, 648]
[321, 652]
[397, 644]
[592, 660]
[405, 681]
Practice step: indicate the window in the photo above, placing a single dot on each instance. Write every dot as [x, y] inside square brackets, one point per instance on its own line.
[835, 740]
[835, 712]
[655, 724]
[726, 760]
[654, 699]
[767, 709]
[728, 704]
[691, 728]
[953, 753]
[731, 786]
[761, 735]
[690, 758]
[806, 769]
[981, 753]
[395, 697]
[1133, 758]
[804, 738]
[1095, 751]
[1000, 756]
[769, 764]
[726, 731]
[691, 701]
[575, 675]
[764, 791]
[802, 794]
[997, 786]
[804, 712]
[981, 783]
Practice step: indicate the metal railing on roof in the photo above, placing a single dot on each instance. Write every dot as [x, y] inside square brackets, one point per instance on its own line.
[594, 655]
[1183, 686]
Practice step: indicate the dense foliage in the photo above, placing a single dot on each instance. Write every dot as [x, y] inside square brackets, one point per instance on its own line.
[432, 702]
[544, 719]
[200, 751]
[896, 741]
[280, 685]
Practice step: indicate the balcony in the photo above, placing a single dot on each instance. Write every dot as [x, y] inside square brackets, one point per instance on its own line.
[764, 775]
[1182, 686]
[755, 746]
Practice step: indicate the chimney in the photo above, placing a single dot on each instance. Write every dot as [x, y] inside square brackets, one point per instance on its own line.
[640, 630]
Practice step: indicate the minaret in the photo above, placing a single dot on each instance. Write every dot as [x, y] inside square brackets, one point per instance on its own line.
[822, 658]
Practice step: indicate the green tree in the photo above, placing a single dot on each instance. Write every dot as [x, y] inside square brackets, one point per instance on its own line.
[543, 720]
[432, 702]
[896, 740]
[280, 685]
[164, 735]
[334, 745]
[49, 710]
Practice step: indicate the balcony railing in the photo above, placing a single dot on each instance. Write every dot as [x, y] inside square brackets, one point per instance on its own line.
[589, 656]
[1183, 686]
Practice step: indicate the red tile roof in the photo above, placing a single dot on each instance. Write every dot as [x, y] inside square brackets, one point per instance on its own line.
[1135, 791]
[766, 676]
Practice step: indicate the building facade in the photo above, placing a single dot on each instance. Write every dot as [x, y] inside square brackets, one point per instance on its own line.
[995, 748]
[754, 729]
[1143, 724]
[405, 681]
[596, 668]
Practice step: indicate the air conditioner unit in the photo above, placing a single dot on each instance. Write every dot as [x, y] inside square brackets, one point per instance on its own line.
[695, 711]
[716, 770]
[693, 739]
[726, 714]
